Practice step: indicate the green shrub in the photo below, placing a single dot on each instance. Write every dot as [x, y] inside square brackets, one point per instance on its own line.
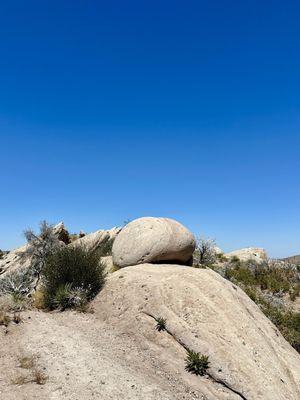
[71, 276]
[196, 363]
[221, 257]
[267, 276]
[235, 260]
[287, 321]
[240, 274]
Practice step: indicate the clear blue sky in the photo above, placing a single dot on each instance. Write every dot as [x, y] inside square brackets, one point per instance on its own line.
[187, 109]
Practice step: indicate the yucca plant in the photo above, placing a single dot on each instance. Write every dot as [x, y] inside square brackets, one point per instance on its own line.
[161, 324]
[196, 363]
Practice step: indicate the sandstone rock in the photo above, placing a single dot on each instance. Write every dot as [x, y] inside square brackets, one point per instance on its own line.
[93, 241]
[12, 260]
[153, 240]
[250, 253]
[249, 358]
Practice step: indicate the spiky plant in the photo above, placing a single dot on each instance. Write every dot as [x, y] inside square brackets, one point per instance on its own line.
[161, 324]
[196, 363]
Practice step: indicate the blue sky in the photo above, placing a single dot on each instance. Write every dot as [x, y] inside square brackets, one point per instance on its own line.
[115, 110]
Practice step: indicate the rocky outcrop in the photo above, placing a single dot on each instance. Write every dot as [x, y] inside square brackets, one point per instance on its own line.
[95, 240]
[14, 260]
[153, 240]
[249, 358]
[250, 253]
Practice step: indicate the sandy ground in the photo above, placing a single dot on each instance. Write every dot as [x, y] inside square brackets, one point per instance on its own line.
[84, 359]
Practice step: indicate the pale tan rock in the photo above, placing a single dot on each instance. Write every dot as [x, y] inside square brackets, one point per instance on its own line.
[13, 261]
[210, 315]
[92, 241]
[152, 239]
[250, 253]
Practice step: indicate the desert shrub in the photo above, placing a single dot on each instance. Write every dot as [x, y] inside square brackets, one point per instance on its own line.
[67, 297]
[12, 303]
[196, 363]
[205, 253]
[71, 276]
[18, 283]
[234, 259]
[221, 257]
[238, 273]
[161, 324]
[39, 247]
[265, 284]
[286, 321]
[277, 278]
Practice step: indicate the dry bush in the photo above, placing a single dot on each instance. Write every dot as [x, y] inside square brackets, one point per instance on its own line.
[35, 374]
[27, 362]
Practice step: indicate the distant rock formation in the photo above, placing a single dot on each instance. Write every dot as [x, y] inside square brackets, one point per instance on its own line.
[250, 253]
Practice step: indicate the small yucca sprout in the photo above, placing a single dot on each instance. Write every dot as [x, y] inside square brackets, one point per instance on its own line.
[196, 363]
[161, 324]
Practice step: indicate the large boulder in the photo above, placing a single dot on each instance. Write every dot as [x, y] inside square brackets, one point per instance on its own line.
[249, 358]
[249, 254]
[153, 240]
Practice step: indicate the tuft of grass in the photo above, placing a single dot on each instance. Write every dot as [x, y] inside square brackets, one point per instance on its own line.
[161, 324]
[196, 363]
[20, 380]
[35, 374]
[39, 377]
[26, 362]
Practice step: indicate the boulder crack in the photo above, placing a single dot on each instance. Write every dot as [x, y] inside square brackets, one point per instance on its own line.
[211, 376]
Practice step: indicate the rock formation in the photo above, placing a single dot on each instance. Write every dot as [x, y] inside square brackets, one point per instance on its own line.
[249, 358]
[250, 253]
[153, 240]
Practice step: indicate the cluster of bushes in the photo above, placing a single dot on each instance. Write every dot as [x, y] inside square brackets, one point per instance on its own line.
[271, 276]
[286, 320]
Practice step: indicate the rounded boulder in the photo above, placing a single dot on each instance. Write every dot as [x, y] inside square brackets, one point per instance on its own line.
[153, 240]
